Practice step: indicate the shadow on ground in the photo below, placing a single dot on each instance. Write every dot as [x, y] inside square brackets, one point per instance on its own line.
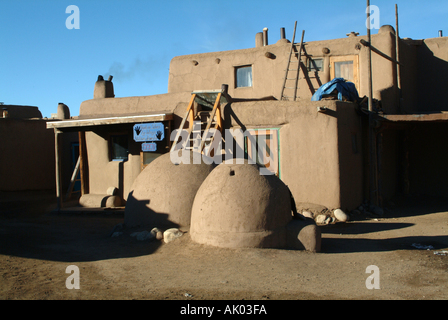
[351, 245]
[29, 228]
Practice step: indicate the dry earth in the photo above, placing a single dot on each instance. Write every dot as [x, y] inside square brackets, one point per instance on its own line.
[37, 245]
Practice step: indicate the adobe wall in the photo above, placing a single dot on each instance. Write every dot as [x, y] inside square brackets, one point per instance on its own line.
[104, 173]
[317, 161]
[22, 112]
[210, 70]
[132, 105]
[27, 160]
[409, 76]
[432, 74]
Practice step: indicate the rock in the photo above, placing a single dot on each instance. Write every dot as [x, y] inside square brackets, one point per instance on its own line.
[340, 215]
[322, 219]
[157, 233]
[307, 214]
[303, 235]
[171, 234]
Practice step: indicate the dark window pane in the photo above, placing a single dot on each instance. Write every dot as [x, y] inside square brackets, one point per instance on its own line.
[119, 147]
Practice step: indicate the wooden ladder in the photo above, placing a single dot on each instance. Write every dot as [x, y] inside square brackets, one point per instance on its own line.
[203, 125]
[73, 180]
[292, 73]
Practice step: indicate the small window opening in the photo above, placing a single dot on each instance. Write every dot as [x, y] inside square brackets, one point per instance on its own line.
[119, 147]
[315, 64]
[243, 76]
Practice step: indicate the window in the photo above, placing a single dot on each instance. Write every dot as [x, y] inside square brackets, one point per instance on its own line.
[148, 157]
[119, 147]
[315, 64]
[243, 76]
[262, 147]
[345, 67]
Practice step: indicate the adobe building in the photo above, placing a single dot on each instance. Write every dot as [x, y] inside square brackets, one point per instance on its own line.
[27, 152]
[322, 150]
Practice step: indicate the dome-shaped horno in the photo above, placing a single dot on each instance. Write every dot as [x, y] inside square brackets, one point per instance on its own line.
[238, 207]
[162, 194]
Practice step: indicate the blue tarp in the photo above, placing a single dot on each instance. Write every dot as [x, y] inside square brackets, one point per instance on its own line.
[343, 88]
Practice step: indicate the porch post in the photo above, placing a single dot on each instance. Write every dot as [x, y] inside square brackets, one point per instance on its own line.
[57, 138]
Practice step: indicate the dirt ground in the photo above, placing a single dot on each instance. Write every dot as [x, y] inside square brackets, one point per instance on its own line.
[37, 245]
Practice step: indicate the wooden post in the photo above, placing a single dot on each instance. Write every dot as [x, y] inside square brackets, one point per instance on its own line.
[191, 113]
[219, 119]
[57, 137]
[184, 119]
[299, 59]
[83, 166]
[397, 53]
[372, 140]
[369, 57]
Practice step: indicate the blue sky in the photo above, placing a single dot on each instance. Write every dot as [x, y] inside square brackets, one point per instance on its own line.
[43, 63]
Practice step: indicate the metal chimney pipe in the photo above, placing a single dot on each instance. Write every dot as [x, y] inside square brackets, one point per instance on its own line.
[265, 36]
[282, 33]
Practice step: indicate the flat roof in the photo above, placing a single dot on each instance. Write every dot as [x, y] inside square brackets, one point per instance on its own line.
[422, 117]
[98, 121]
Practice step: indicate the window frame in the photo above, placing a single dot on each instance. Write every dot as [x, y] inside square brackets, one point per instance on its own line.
[355, 59]
[276, 139]
[236, 68]
[311, 68]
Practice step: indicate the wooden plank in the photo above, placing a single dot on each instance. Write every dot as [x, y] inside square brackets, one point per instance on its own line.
[190, 105]
[108, 121]
[212, 115]
[430, 117]
[73, 179]
[385, 56]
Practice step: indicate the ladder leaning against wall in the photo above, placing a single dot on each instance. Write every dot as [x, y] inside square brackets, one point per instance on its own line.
[203, 122]
[292, 72]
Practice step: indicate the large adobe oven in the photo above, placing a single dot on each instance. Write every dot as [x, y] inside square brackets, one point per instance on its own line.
[237, 207]
[163, 193]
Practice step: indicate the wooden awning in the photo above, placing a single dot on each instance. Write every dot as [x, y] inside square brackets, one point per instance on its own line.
[91, 122]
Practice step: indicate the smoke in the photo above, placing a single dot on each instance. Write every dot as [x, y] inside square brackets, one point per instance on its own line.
[138, 68]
